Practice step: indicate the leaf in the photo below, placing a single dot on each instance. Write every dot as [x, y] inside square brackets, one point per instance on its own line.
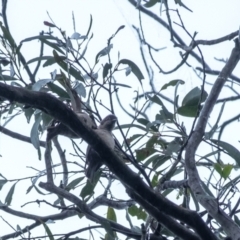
[88, 189]
[85, 49]
[9, 196]
[72, 71]
[120, 85]
[37, 59]
[111, 215]
[7, 35]
[151, 3]
[40, 83]
[28, 112]
[172, 83]
[158, 101]
[39, 37]
[52, 45]
[226, 171]
[74, 183]
[34, 132]
[188, 111]
[46, 119]
[137, 212]
[135, 70]
[106, 225]
[231, 150]
[58, 90]
[159, 161]
[106, 69]
[144, 153]
[103, 52]
[236, 219]
[90, 25]
[48, 24]
[182, 5]
[76, 36]
[218, 168]
[2, 182]
[80, 89]
[51, 60]
[7, 78]
[193, 97]
[48, 231]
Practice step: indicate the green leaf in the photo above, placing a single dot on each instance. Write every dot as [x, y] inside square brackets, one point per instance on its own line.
[51, 60]
[103, 52]
[90, 25]
[236, 219]
[226, 171]
[48, 231]
[52, 45]
[231, 150]
[135, 70]
[48, 24]
[151, 3]
[34, 132]
[88, 189]
[58, 90]
[46, 119]
[74, 183]
[7, 78]
[7, 35]
[28, 112]
[158, 101]
[9, 196]
[188, 111]
[106, 225]
[154, 180]
[106, 69]
[37, 59]
[120, 85]
[137, 212]
[72, 71]
[172, 83]
[144, 153]
[111, 215]
[159, 161]
[2, 182]
[193, 97]
[218, 168]
[133, 210]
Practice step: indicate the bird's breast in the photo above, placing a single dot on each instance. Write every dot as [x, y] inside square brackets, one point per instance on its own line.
[106, 137]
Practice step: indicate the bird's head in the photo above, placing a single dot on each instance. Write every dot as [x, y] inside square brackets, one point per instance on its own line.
[108, 122]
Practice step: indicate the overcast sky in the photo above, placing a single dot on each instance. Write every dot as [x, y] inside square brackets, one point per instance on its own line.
[211, 19]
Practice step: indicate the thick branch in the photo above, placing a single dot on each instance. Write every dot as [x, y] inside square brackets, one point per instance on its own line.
[194, 180]
[58, 110]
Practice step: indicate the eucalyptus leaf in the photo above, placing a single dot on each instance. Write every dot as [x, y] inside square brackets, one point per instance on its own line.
[231, 150]
[34, 135]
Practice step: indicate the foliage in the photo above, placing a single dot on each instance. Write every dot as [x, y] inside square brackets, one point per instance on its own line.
[173, 188]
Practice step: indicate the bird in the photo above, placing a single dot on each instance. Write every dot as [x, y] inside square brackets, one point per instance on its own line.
[59, 128]
[104, 131]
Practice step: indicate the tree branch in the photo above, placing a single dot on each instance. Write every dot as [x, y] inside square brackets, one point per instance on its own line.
[210, 204]
[130, 179]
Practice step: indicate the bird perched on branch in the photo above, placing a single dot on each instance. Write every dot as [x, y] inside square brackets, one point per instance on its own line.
[104, 131]
[59, 128]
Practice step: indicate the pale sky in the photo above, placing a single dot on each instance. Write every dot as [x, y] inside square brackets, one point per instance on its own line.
[211, 19]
